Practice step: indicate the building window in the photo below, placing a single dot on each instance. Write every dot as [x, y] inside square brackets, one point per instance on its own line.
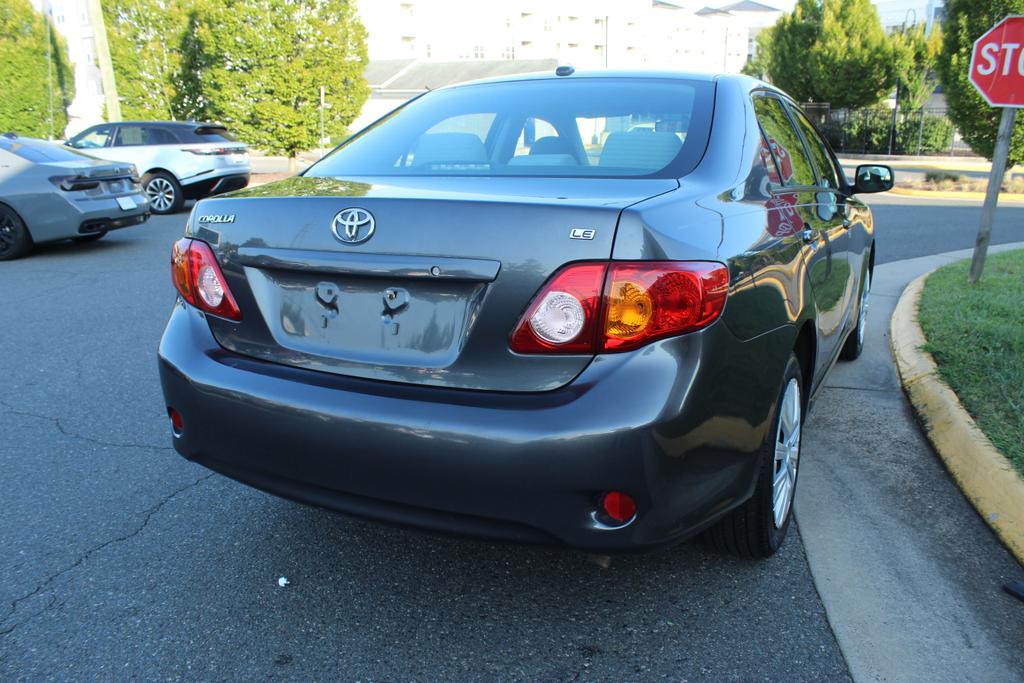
[427, 48]
[478, 52]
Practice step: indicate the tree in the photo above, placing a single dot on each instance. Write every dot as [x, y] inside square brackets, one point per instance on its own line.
[966, 21]
[143, 35]
[914, 60]
[259, 66]
[757, 66]
[27, 66]
[832, 51]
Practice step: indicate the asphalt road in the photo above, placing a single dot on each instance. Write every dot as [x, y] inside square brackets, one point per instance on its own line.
[121, 560]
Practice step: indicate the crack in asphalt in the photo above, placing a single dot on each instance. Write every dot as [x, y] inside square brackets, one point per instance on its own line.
[148, 515]
[75, 435]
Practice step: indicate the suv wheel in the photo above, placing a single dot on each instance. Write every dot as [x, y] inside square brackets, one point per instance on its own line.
[163, 192]
[758, 527]
[14, 238]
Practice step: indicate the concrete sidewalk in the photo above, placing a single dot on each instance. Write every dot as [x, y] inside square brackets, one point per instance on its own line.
[910, 576]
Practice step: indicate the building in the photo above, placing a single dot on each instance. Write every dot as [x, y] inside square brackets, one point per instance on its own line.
[71, 19]
[585, 33]
[896, 14]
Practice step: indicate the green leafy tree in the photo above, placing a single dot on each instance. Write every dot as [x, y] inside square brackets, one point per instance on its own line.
[27, 66]
[258, 67]
[914, 60]
[831, 51]
[966, 21]
[143, 37]
[757, 66]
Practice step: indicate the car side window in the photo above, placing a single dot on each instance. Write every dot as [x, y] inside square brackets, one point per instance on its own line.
[128, 136]
[822, 159]
[783, 141]
[93, 138]
[159, 136]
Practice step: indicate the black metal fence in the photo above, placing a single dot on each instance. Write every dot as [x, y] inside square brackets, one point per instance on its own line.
[873, 131]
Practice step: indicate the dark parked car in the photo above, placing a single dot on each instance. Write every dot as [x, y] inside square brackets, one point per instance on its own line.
[178, 160]
[589, 309]
[49, 192]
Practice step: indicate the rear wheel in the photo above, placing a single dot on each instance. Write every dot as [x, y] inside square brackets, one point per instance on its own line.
[15, 241]
[855, 342]
[758, 527]
[163, 191]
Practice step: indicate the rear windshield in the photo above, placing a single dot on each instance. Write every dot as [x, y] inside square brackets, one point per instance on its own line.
[41, 152]
[214, 134]
[585, 127]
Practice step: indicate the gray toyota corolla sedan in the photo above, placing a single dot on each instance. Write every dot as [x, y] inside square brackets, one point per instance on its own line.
[578, 308]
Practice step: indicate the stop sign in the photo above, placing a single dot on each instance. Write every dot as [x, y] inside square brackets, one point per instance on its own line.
[997, 63]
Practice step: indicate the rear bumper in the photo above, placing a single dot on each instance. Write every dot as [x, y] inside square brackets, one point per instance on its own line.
[55, 217]
[526, 467]
[207, 186]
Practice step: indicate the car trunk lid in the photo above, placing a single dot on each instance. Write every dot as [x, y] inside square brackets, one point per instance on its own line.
[431, 296]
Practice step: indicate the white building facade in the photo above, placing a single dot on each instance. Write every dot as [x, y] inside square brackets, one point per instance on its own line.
[71, 19]
[589, 34]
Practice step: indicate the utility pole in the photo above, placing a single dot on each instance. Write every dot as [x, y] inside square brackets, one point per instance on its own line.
[99, 37]
[48, 16]
[322, 102]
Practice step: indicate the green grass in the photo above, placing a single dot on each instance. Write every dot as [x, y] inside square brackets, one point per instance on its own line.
[976, 335]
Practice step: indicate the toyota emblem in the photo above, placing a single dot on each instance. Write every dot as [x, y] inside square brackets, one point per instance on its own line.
[353, 226]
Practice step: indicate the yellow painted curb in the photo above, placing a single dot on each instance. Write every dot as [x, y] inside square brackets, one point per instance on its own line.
[1004, 197]
[982, 472]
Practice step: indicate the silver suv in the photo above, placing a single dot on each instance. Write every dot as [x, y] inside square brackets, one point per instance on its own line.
[178, 160]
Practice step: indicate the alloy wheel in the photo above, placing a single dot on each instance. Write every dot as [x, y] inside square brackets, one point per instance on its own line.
[862, 315]
[160, 193]
[8, 233]
[787, 453]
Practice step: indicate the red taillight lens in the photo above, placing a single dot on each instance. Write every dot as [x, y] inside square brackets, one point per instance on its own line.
[651, 300]
[563, 316]
[199, 280]
[617, 306]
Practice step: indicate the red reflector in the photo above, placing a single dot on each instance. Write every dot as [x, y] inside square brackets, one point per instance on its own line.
[619, 506]
[177, 423]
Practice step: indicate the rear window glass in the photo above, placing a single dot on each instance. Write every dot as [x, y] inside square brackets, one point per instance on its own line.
[41, 152]
[214, 134]
[601, 127]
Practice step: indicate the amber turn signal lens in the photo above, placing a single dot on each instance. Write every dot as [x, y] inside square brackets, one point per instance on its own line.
[629, 309]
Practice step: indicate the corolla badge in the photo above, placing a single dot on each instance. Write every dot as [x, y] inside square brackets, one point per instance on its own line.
[353, 225]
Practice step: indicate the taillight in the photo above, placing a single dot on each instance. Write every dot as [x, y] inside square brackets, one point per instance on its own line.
[617, 306]
[563, 317]
[652, 300]
[199, 280]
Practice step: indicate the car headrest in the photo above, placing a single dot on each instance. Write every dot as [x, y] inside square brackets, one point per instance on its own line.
[449, 148]
[635, 149]
[550, 144]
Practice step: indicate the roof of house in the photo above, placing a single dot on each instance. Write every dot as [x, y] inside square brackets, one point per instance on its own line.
[742, 6]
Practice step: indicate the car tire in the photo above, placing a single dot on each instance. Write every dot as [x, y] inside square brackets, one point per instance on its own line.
[92, 237]
[855, 342]
[757, 528]
[15, 240]
[163, 192]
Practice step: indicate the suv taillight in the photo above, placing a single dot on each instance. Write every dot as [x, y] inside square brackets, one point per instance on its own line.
[606, 307]
[199, 280]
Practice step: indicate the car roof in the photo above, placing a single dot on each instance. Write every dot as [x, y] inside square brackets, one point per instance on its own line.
[168, 124]
[620, 74]
[7, 141]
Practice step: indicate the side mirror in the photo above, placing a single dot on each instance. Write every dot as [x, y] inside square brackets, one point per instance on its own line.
[873, 178]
